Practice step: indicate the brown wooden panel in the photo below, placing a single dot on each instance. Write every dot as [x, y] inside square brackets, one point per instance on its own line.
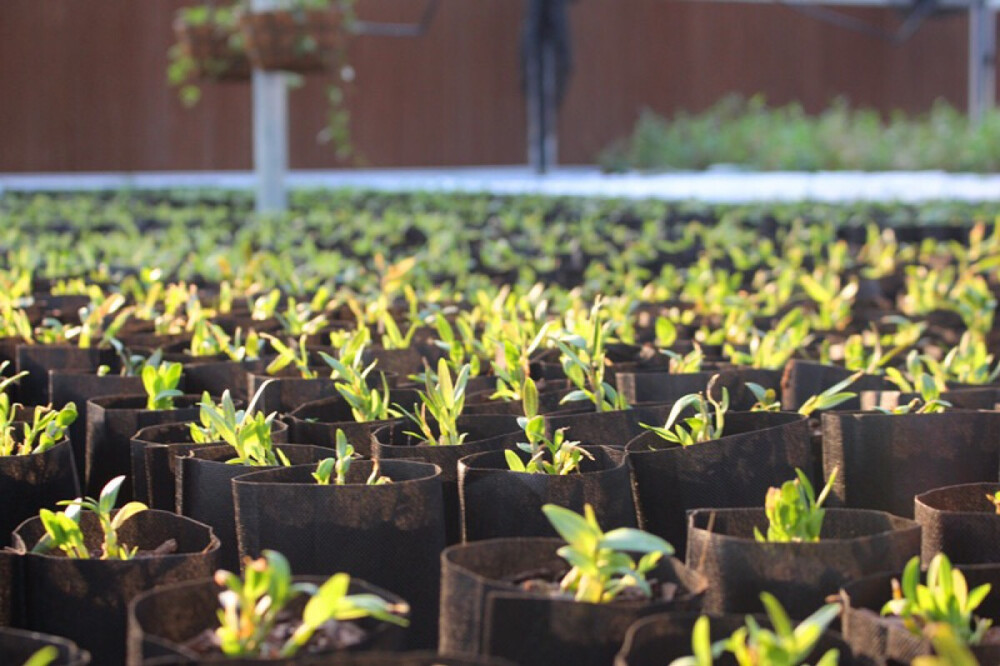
[82, 83]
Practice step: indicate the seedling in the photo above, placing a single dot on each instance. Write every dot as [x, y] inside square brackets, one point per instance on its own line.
[684, 363]
[794, 512]
[442, 403]
[62, 529]
[287, 356]
[336, 469]
[917, 406]
[548, 456]
[367, 404]
[43, 657]
[584, 361]
[247, 431]
[252, 606]
[601, 567]
[995, 501]
[752, 645]
[161, 383]
[706, 425]
[945, 599]
[46, 429]
[771, 350]
[948, 649]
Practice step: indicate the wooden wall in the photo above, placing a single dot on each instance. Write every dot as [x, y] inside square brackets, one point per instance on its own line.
[82, 82]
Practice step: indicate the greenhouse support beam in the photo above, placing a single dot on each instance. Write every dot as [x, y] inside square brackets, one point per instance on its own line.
[982, 59]
[270, 131]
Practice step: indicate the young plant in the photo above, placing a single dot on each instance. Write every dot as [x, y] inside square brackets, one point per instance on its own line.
[161, 383]
[247, 431]
[548, 456]
[442, 403]
[62, 529]
[252, 606]
[46, 429]
[917, 406]
[995, 501]
[945, 598]
[771, 350]
[601, 567]
[287, 356]
[43, 657]
[752, 645]
[834, 396]
[367, 403]
[336, 469]
[583, 358]
[706, 425]
[794, 513]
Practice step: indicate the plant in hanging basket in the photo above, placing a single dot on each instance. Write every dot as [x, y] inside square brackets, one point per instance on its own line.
[209, 47]
[305, 37]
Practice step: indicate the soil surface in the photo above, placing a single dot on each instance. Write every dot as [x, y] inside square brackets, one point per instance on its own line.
[546, 581]
[331, 637]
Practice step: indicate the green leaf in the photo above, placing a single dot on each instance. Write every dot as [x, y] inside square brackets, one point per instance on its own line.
[572, 527]
[630, 539]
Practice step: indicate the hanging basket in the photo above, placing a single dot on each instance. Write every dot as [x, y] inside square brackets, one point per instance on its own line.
[217, 52]
[293, 41]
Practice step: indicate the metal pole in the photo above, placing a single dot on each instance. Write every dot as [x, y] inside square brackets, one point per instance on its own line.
[533, 90]
[982, 59]
[270, 131]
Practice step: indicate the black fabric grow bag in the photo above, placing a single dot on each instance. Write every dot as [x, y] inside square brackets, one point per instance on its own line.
[983, 397]
[317, 422]
[352, 659]
[758, 450]
[162, 620]
[613, 429]
[960, 522]
[485, 433]
[854, 543]
[78, 387]
[661, 386]
[18, 645]
[37, 360]
[481, 613]
[86, 600]
[391, 535]
[218, 376]
[204, 490]
[804, 379]
[875, 637]
[497, 502]
[32, 482]
[153, 452]
[886, 460]
[112, 421]
[288, 390]
[657, 640]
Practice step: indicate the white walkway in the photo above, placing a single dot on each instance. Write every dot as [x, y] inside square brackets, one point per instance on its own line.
[719, 185]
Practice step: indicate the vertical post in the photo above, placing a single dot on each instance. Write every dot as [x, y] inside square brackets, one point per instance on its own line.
[541, 87]
[270, 131]
[982, 59]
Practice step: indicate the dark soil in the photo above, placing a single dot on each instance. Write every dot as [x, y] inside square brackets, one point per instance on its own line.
[331, 637]
[546, 582]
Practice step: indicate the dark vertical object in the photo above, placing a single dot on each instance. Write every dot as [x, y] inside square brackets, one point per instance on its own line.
[546, 62]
